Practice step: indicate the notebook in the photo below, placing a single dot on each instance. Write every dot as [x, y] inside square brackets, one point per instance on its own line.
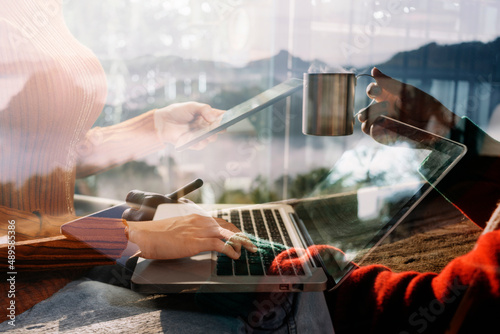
[365, 195]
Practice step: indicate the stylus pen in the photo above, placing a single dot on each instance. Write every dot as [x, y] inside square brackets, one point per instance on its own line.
[181, 192]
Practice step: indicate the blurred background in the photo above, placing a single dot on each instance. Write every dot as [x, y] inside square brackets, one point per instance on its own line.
[222, 52]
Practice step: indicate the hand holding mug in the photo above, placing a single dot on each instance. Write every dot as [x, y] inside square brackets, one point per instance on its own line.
[407, 104]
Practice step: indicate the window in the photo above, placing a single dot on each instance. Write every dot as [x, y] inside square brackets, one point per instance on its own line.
[222, 52]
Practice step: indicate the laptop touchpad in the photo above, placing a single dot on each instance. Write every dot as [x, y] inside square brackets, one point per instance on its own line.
[197, 268]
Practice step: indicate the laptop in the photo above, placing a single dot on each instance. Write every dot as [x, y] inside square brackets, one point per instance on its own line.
[365, 195]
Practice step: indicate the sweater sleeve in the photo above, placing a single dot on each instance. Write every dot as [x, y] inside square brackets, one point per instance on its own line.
[41, 262]
[473, 185]
[467, 288]
[107, 147]
[85, 242]
[411, 302]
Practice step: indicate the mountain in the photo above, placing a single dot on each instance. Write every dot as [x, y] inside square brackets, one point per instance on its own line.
[285, 65]
[463, 61]
[155, 81]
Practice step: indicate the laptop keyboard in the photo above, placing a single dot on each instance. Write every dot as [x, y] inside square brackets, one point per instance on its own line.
[267, 225]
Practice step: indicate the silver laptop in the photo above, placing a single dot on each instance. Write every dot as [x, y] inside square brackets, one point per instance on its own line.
[368, 192]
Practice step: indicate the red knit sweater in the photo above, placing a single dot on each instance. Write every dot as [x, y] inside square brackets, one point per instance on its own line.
[464, 297]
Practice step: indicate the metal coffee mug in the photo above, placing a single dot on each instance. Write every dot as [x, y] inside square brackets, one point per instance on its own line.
[328, 104]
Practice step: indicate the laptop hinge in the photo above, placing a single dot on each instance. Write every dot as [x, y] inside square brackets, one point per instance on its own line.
[307, 241]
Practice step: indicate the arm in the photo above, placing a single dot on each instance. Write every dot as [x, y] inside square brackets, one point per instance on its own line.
[104, 148]
[42, 261]
[108, 147]
[468, 286]
[421, 302]
[373, 299]
[44, 264]
[473, 186]
[465, 295]
[180, 236]
[39, 244]
[101, 238]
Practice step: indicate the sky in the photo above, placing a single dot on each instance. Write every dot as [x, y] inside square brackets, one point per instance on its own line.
[340, 33]
[343, 33]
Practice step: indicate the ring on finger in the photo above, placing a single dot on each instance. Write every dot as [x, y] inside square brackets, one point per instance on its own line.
[229, 240]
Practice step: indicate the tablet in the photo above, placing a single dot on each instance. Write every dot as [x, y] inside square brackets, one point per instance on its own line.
[242, 111]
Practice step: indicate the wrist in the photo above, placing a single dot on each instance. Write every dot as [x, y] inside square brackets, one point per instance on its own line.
[134, 231]
[141, 234]
[161, 126]
[468, 133]
[442, 122]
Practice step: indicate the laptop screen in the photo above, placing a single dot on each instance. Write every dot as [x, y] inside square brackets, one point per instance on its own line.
[371, 189]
